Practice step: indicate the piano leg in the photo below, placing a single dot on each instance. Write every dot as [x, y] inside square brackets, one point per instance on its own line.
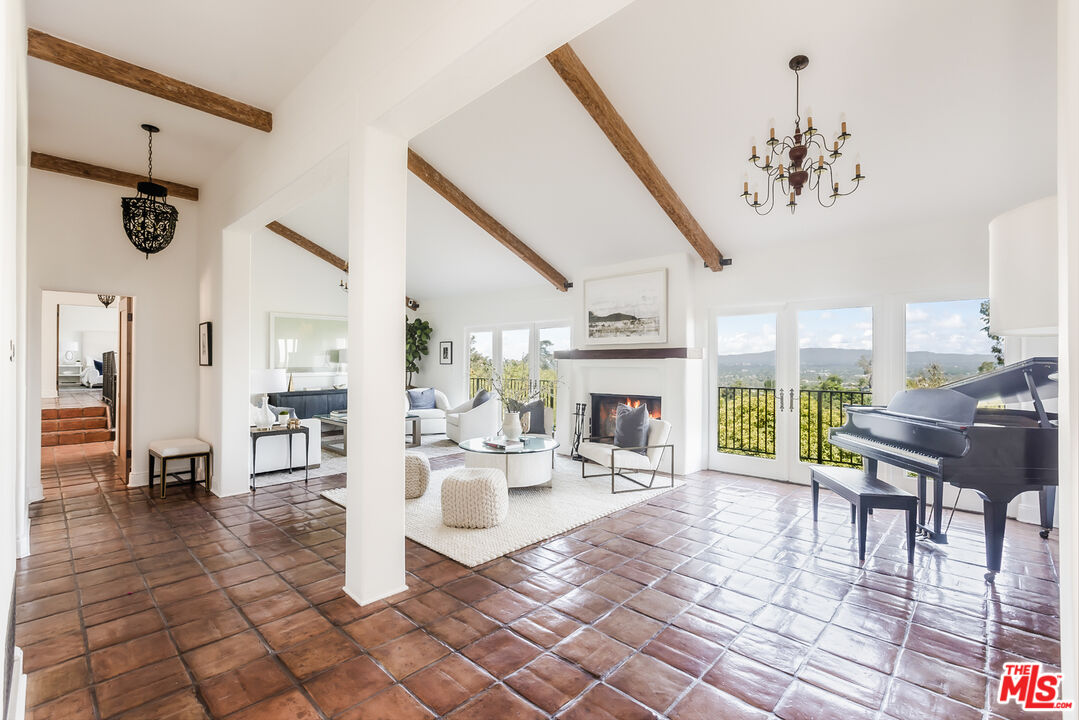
[921, 500]
[938, 510]
[996, 516]
[1047, 500]
[863, 522]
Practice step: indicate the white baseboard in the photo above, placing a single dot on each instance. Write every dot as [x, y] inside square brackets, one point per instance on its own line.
[373, 599]
[16, 709]
[138, 478]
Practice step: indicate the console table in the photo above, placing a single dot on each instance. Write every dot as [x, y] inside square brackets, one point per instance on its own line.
[257, 435]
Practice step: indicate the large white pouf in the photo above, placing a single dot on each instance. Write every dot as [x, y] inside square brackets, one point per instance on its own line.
[474, 498]
[417, 474]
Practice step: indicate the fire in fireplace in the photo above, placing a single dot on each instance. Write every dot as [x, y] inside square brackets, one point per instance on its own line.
[605, 405]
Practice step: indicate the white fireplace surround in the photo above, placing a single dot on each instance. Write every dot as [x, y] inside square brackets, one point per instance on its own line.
[679, 382]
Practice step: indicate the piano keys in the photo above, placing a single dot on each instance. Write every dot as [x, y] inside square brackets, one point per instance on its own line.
[942, 435]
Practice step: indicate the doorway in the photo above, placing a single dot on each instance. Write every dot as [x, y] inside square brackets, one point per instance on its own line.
[86, 353]
[781, 378]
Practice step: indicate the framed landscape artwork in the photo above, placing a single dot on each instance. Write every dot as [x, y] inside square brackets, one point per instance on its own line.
[626, 309]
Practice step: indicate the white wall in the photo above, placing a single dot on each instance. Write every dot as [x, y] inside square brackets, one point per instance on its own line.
[77, 243]
[13, 156]
[1068, 268]
[287, 279]
[451, 318]
[86, 313]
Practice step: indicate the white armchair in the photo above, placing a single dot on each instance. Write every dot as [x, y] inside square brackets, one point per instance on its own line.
[465, 422]
[432, 420]
[618, 460]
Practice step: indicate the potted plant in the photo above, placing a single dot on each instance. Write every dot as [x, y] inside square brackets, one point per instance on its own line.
[417, 335]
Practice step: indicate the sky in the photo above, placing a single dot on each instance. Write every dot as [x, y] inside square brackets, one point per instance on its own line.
[953, 327]
[946, 327]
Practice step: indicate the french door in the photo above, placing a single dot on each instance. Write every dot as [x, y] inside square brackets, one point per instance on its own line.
[521, 355]
[780, 378]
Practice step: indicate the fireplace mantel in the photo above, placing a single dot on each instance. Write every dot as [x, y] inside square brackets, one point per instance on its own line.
[679, 353]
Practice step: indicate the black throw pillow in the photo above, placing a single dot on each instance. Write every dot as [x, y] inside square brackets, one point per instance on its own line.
[535, 410]
[481, 397]
[631, 427]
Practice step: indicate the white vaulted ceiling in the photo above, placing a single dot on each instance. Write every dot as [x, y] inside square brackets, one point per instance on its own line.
[952, 108]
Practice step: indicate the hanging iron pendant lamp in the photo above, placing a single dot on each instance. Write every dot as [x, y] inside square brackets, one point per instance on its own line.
[149, 221]
[106, 300]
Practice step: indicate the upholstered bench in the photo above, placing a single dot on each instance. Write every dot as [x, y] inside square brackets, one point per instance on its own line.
[474, 498]
[190, 449]
[417, 474]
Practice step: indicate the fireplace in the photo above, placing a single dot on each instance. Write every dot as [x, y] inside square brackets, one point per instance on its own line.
[605, 405]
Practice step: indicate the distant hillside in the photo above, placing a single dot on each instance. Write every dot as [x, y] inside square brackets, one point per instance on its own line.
[756, 368]
[613, 317]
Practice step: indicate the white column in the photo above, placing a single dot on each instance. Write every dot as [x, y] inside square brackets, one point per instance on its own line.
[375, 536]
[1068, 207]
[231, 352]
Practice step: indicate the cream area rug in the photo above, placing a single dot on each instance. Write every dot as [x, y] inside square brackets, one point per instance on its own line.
[534, 513]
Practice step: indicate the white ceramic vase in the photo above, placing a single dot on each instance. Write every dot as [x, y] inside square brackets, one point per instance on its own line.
[511, 426]
[266, 418]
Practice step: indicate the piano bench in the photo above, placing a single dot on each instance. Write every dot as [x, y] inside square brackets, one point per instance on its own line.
[864, 493]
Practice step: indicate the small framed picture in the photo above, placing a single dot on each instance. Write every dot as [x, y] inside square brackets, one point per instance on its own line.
[445, 352]
[206, 344]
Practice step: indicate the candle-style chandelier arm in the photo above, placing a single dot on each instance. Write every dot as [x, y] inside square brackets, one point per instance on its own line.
[801, 163]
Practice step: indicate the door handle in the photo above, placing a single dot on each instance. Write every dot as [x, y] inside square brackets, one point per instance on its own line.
[792, 400]
[780, 394]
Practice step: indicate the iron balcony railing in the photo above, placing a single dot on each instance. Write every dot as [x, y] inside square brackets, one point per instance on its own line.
[517, 388]
[818, 412]
[747, 422]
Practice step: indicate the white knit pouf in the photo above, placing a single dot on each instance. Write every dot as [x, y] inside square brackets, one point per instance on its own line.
[417, 474]
[474, 498]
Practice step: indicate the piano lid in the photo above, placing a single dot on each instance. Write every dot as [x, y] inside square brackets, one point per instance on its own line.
[935, 404]
[1009, 384]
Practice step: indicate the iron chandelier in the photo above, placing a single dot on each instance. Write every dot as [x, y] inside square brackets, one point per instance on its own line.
[149, 221]
[785, 165]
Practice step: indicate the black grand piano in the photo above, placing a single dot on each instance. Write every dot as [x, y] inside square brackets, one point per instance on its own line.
[943, 435]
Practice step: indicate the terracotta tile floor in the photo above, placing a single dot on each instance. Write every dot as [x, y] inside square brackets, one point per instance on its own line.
[717, 600]
[74, 397]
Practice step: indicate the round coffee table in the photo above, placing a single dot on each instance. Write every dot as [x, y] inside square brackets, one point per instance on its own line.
[524, 466]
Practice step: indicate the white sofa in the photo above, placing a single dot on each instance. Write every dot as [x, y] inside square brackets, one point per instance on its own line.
[465, 422]
[272, 454]
[432, 420]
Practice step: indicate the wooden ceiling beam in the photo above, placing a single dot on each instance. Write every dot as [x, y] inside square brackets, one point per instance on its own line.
[75, 168]
[456, 197]
[581, 83]
[91, 62]
[308, 245]
[322, 253]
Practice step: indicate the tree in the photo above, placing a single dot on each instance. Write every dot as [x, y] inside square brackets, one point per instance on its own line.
[865, 363]
[931, 376]
[417, 335]
[997, 347]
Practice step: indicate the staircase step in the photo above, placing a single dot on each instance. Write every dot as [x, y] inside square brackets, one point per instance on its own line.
[73, 412]
[75, 437]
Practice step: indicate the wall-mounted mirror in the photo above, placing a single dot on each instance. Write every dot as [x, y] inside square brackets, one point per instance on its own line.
[308, 343]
